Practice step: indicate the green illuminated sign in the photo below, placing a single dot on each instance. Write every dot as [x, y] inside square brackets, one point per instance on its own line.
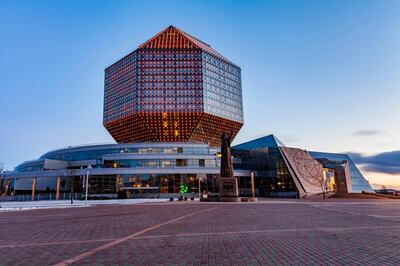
[184, 189]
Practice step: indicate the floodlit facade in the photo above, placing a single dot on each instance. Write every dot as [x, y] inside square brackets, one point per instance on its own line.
[173, 88]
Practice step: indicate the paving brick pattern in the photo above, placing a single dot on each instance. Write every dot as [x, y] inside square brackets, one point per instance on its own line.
[285, 232]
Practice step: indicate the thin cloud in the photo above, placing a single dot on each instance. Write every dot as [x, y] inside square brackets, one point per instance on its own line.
[369, 132]
[385, 162]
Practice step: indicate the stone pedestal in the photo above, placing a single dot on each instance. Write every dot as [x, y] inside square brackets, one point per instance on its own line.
[228, 189]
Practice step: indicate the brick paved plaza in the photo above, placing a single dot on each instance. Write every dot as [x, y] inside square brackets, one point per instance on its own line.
[271, 232]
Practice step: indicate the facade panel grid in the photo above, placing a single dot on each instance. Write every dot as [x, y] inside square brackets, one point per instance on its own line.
[222, 88]
[173, 88]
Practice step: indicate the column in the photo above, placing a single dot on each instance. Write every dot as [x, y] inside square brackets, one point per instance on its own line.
[58, 188]
[34, 181]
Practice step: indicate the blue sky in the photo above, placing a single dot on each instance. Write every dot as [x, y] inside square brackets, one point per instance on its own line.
[321, 75]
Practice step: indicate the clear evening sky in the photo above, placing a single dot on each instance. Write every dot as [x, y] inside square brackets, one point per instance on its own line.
[320, 75]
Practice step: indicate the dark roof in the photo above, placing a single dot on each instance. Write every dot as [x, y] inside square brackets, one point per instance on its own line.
[266, 141]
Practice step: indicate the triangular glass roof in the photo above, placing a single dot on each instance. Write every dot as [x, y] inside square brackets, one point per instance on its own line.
[263, 142]
[174, 38]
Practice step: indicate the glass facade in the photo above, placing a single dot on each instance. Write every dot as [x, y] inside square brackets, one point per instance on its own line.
[263, 155]
[145, 184]
[222, 88]
[191, 163]
[358, 181]
[169, 81]
[173, 88]
[142, 169]
[30, 166]
[273, 177]
[120, 87]
[93, 153]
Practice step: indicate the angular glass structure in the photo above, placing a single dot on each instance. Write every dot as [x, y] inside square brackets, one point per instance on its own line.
[173, 88]
[358, 181]
[263, 142]
[263, 156]
[279, 175]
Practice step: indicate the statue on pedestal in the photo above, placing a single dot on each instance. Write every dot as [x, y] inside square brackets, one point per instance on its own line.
[226, 157]
[228, 184]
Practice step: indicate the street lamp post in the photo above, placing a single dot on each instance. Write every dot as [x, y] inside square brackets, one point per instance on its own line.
[199, 188]
[87, 182]
[252, 184]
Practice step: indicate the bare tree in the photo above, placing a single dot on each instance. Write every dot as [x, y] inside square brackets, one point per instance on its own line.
[2, 168]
